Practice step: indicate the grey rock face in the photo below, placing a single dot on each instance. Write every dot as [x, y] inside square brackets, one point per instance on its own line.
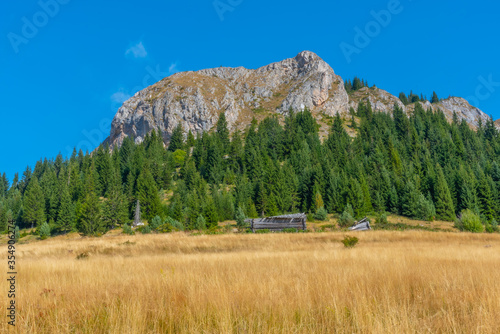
[195, 99]
[383, 101]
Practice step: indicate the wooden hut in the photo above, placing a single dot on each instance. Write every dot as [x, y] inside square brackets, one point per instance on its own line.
[278, 223]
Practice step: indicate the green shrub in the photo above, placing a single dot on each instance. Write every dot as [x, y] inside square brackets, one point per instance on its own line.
[201, 223]
[44, 231]
[214, 230]
[266, 230]
[164, 228]
[127, 229]
[470, 222]
[347, 217]
[83, 256]
[425, 209]
[350, 242]
[328, 226]
[17, 236]
[488, 228]
[321, 214]
[381, 219]
[290, 230]
[176, 225]
[240, 217]
[145, 229]
[155, 223]
[494, 225]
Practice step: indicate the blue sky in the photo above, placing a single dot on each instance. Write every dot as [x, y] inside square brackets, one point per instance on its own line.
[66, 65]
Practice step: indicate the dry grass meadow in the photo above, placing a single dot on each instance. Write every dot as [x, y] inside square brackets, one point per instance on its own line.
[391, 282]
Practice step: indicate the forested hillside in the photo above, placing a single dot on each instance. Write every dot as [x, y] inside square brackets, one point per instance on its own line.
[421, 167]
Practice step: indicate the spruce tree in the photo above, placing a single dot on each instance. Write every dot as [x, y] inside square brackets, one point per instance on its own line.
[34, 204]
[190, 139]
[485, 198]
[90, 219]
[177, 139]
[357, 84]
[4, 185]
[66, 215]
[356, 198]
[403, 98]
[210, 214]
[103, 169]
[115, 210]
[148, 195]
[435, 98]
[443, 201]
[409, 200]
[222, 133]
[240, 217]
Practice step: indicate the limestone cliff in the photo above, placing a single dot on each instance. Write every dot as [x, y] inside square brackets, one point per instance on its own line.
[195, 99]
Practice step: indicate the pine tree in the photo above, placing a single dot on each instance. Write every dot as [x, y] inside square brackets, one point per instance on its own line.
[66, 216]
[261, 199]
[190, 139]
[444, 203]
[4, 185]
[177, 139]
[34, 204]
[357, 84]
[44, 231]
[485, 198]
[3, 217]
[115, 210]
[240, 217]
[148, 195]
[90, 219]
[210, 214]
[214, 166]
[103, 169]
[435, 98]
[201, 223]
[409, 200]
[348, 86]
[403, 98]
[356, 198]
[23, 184]
[222, 133]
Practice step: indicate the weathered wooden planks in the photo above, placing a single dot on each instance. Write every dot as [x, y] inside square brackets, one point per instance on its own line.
[362, 225]
[278, 223]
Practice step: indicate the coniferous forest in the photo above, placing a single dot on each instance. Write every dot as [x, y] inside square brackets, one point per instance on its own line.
[420, 166]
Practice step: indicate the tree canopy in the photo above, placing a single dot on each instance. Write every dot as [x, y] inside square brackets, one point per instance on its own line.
[420, 166]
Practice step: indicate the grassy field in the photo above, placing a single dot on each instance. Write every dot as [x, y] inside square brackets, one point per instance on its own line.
[391, 282]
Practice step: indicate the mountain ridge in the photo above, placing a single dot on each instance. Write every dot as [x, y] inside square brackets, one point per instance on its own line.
[195, 98]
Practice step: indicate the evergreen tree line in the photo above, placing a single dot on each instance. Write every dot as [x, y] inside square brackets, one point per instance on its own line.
[419, 166]
[355, 84]
[412, 98]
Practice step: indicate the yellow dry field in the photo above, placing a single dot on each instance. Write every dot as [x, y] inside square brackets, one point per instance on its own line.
[391, 282]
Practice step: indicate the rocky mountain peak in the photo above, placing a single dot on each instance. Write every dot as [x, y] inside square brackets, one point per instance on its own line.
[195, 99]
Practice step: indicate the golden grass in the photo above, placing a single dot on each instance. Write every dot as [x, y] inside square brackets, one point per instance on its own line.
[392, 282]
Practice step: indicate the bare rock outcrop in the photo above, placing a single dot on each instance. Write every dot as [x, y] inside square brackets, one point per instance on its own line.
[195, 99]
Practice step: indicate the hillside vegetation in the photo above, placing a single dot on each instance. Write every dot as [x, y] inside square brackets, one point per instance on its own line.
[420, 166]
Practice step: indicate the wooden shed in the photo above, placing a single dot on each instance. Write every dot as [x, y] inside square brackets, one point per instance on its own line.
[278, 223]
